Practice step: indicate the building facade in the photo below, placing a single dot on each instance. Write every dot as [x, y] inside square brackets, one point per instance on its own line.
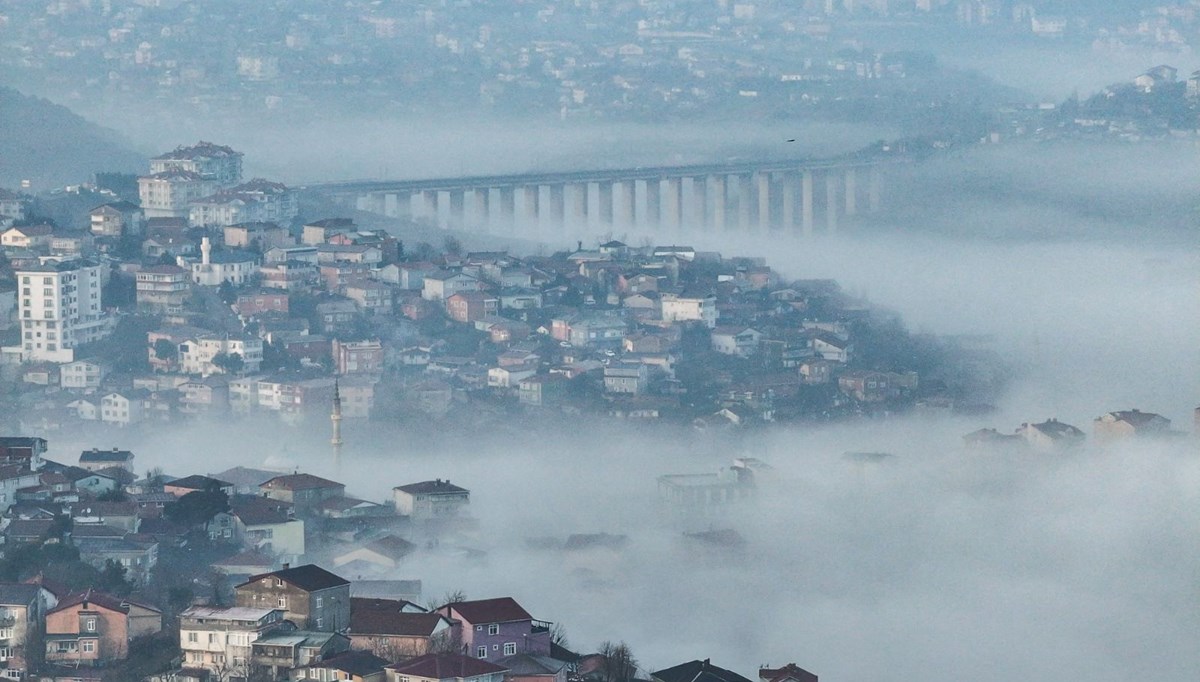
[169, 194]
[431, 499]
[162, 288]
[60, 308]
[214, 162]
[494, 628]
[221, 640]
[94, 628]
[309, 596]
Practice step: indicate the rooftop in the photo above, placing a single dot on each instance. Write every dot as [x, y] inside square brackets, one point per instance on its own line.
[434, 487]
[442, 666]
[499, 610]
[697, 671]
[96, 455]
[200, 150]
[308, 577]
[299, 482]
[357, 663]
[238, 613]
[384, 617]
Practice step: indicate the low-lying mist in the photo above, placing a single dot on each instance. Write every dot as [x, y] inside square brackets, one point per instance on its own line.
[935, 563]
[380, 147]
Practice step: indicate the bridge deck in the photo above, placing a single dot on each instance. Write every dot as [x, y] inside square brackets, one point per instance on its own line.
[576, 177]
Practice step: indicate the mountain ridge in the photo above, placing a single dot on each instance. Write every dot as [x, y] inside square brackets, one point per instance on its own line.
[51, 146]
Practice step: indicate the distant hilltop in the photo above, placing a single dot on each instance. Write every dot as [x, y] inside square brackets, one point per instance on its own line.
[51, 146]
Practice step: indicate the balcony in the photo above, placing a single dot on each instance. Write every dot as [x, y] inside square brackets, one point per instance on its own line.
[540, 626]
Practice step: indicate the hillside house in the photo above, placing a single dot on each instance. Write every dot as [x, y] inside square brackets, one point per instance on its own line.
[431, 500]
[93, 628]
[309, 596]
[494, 628]
[1129, 423]
[1050, 435]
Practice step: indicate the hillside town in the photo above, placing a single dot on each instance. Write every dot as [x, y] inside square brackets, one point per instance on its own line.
[258, 574]
[211, 296]
[644, 59]
[110, 576]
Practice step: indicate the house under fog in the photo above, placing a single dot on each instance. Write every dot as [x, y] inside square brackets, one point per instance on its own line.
[1129, 423]
[704, 493]
[696, 671]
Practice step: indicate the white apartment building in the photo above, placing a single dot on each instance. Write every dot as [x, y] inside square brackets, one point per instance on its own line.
[162, 288]
[13, 205]
[117, 218]
[440, 286]
[243, 394]
[690, 309]
[170, 194]
[83, 375]
[219, 639]
[257, 201]
[122, 410]
[59, 309]
[208, 160]
[196, 356]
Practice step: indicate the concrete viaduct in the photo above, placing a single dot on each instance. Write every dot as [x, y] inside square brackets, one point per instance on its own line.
[804, 197]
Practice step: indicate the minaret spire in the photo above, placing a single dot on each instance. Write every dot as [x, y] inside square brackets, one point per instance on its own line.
[336, 418]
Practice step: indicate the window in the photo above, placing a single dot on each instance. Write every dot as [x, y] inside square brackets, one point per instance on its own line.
[282, 603]
[192, 637]
[89, 624]
[494, 629]
[481, 652]
[319, 600]
[478, 628]
[510, 648]
[320, 623]
[89, 645]
[212, 638]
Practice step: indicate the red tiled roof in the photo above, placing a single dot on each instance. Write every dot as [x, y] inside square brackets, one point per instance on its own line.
[308, 577]
[499, 610]
[791, 671]
[299, 482]
[445, 666]
[101, 599]
[384, 617]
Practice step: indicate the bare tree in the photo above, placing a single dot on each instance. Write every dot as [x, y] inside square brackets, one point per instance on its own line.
[617, 662]
[446, 642]
[558, 635]
[451, 597]
[154, 478]
[392, 649]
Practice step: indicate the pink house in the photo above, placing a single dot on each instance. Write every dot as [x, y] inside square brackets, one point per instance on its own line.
[94, 628]
[494, 628]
